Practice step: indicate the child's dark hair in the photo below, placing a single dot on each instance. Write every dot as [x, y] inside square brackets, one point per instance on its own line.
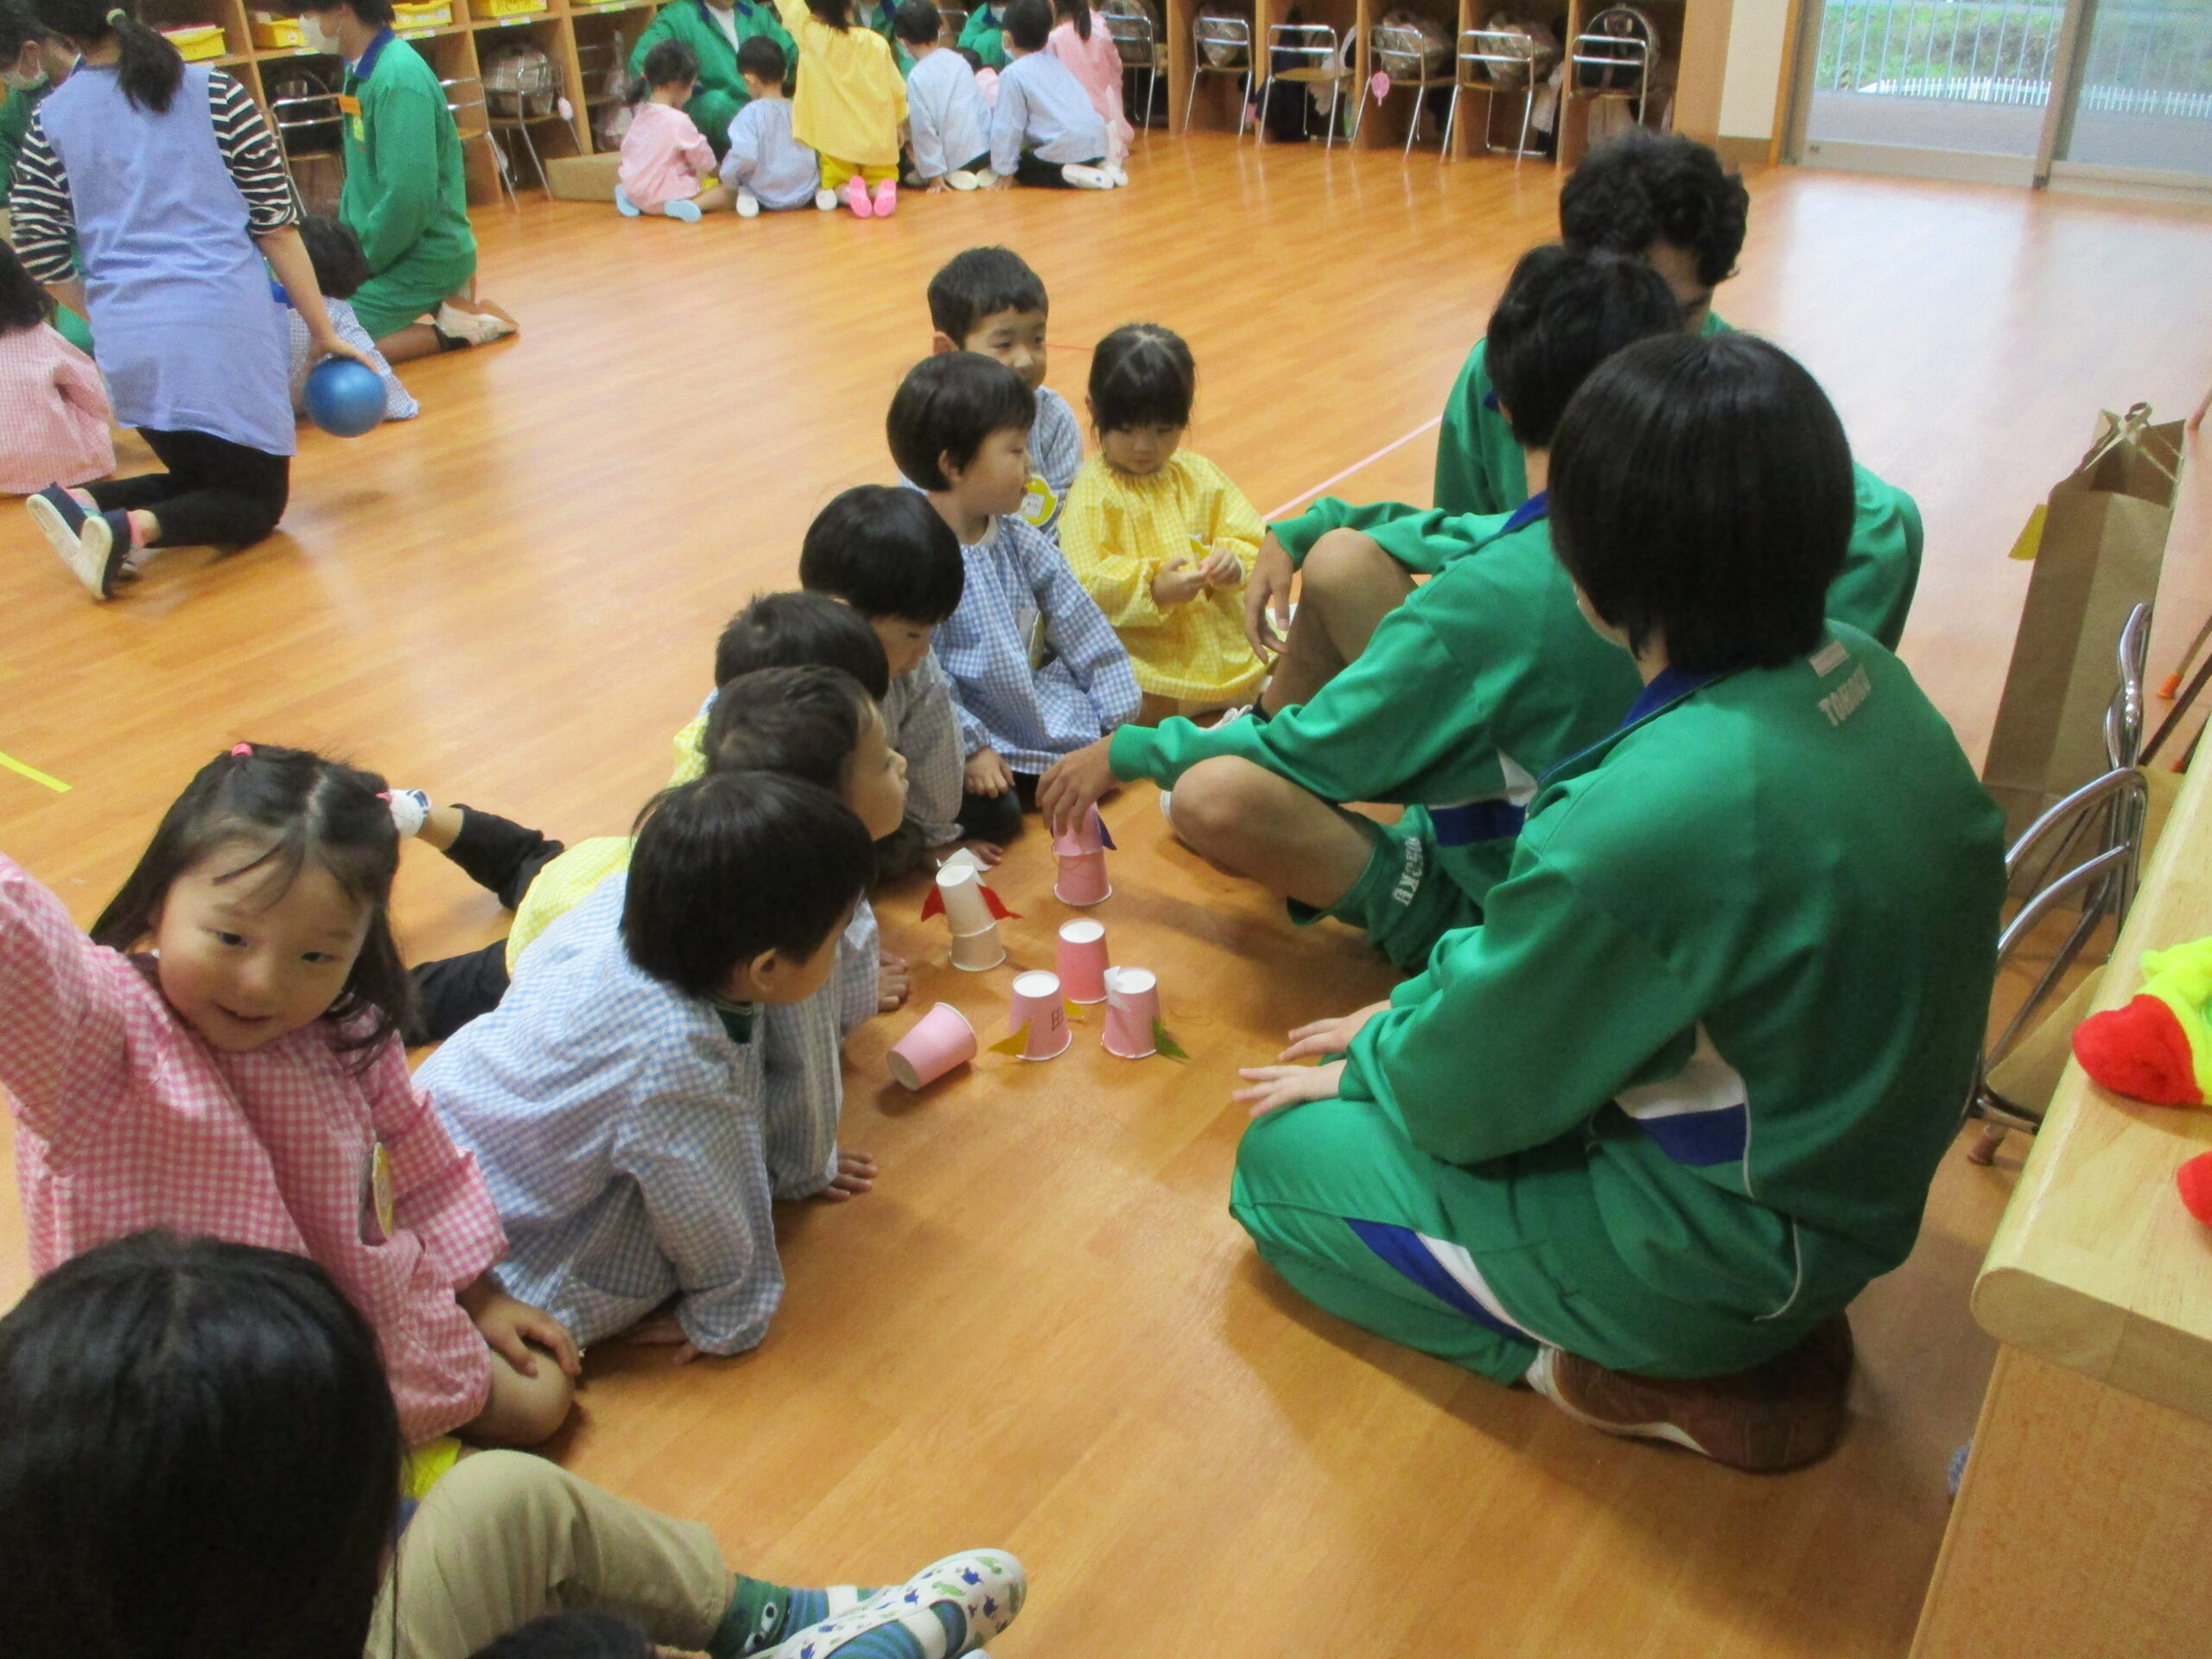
[762, 58]
[1642, 187]
[918, 22]
[1564, 312]
[1029, 24]
[1701, 494]
[803, 630]
[886, 553]
[798, 722]
[838, 14]
[340, 266]
[1077, 12]
[147, 66]
[574, 1635]
[981, 282]
[1142, 375]
[671, 63]
[736, 864]
[199, 1457]
[947, 406]
[23, 303]
[971, 57]
[297, 808]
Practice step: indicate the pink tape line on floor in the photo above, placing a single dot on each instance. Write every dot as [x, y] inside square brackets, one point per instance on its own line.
[1338, 478]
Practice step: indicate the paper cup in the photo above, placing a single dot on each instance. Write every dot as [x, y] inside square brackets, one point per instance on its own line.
[1082, 961]
[1037, 1004]
[1083, 880]
[961, 890]
[963, 855]
[1089, 836]
[1131, 1007]
[940, 1039]
[974, 952]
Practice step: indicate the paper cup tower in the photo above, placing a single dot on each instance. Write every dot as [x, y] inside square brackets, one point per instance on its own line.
[1082, 855]
[1132, 1010]
[975, 931]
[1082, 961]
[940, 1039]
[1038, 1005]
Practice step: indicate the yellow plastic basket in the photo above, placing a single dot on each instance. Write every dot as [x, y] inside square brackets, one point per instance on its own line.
[425, 14]
[198, 41]
[508, 8]
[272, 29]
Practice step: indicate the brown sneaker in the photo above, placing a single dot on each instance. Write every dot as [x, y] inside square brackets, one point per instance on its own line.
[1782, 1414]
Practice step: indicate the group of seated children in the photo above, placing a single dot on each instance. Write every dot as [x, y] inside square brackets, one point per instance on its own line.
[1051, 117]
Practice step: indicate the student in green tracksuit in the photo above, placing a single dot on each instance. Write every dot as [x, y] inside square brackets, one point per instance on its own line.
[1659, 196]
[1641, 1136]
[984, 34]
[405, 196]
[1480, 681]
[714, 33]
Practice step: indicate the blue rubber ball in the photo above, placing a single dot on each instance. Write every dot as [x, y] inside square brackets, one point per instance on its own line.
[345, 399]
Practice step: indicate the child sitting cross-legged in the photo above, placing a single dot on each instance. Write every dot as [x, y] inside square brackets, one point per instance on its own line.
[1036, 670]
[668, 166]
[1158, 535]
[947, 123]
[1044, 130]
[619, 1098]
[766, 166]
[340, 268]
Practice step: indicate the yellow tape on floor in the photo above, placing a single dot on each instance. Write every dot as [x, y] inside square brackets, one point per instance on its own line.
[34, 774]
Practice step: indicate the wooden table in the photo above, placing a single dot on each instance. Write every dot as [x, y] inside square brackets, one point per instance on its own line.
[2083, 1527]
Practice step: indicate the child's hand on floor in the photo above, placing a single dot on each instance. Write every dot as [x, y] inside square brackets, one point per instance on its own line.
[516, 1331]
[988, 853]
[1274, 1087]
[1075, 784]
[987, 774]
[1176, 580]
[663, 1330]
[894, 981]
[1330, 1036]
[855, 1175]
[1267, 599]
[999, 182]
[936, 187]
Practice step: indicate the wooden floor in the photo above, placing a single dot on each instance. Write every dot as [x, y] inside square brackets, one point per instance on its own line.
[1043, 1331]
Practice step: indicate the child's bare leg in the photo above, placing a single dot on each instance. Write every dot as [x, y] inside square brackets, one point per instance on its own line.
[522, 1410]
[418, 340]
[1251, 823]
[715, 198]
[1348, 585]
[1153, 709]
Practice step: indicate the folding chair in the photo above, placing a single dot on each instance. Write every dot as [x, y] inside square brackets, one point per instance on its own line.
[1402, 40]
[534, 80]
[1487, 57]
[1231, 38]
[309, 131]
[951, 20]
[472, 122]
[1611, 66]
[1301, 41]
[1133, 39]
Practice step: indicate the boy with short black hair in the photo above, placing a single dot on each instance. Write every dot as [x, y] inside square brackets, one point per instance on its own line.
[766, 166]
[949, 125]
[340, 268]
[987, 300]
[1045, 129]
[1036, 670]
[615, 1099]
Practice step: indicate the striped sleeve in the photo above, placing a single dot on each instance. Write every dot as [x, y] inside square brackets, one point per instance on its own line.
[250, 151]
[42, 221]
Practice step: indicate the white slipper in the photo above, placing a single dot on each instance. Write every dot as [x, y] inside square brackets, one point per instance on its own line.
[1087, 178]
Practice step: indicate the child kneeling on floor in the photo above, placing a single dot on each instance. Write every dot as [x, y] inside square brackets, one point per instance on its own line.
[1044, 130]
[340, 268]
[850, 107]
[668, 166]
[766, 166]
[947, 123]
[618, 1100]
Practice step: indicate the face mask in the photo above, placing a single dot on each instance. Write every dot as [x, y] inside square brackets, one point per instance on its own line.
[316, 36]
[19, 83]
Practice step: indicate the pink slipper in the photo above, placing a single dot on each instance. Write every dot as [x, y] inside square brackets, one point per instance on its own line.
[856, 197]
[886, 198]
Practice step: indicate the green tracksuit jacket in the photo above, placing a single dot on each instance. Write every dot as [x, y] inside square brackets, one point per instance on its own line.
[1681, 1094]
[405, 196]
[984, 34]
[721, 92]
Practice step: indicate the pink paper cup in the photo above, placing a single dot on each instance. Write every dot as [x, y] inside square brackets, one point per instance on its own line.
[1131, 1007]
[974, 952]
[1037, 1004]
[1089, 836]
[961, 890]
[1083, 880]
[940, 1039]
[1082, 961]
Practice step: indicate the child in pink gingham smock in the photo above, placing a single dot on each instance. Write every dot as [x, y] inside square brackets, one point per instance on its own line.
[1080, 41]
[130, 1117]
[54, 410]
[664, 157]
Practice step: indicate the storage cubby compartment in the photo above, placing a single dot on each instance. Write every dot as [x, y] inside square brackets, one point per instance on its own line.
[606, 35]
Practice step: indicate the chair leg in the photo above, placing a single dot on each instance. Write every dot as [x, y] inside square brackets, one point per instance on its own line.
[1528, 109]
[1451, 120]
[1984, 1150]
[1412, 122]
[536, 160]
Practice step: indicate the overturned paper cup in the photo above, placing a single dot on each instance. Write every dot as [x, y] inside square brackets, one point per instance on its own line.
[940, 1039]
[1037, 1005]
[965, 908]
[974, 952]
[1083, 880]
[1088, 836]
[1132, 1010]
[1082, 961]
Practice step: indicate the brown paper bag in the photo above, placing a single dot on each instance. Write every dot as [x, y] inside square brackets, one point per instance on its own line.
[2097, 551]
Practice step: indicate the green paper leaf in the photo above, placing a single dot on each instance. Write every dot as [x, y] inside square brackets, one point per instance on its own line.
[1166, 1044]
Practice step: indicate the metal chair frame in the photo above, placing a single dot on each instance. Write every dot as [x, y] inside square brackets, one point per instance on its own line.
[1492, 48]
[1407, 39]
[1321, 42]
[286, 115]
[533, 78]
[1128, 29]
[2111, 811]
[1213, 30]
[1621, 50]
[459, 107]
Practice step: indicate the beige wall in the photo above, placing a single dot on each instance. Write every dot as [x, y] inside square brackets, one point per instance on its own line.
[1757, 35]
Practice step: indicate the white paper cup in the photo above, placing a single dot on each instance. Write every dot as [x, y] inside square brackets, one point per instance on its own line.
[1082, 961]
[961, 890]
[974, 952]
[1037, 1004]
[1131, 1007]
[939, 1040]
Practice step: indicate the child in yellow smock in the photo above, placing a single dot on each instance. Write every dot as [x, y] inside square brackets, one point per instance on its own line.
[848, 106]
[1158, 536]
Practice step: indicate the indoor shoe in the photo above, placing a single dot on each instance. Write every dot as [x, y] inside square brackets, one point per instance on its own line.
[855, 194]
[826, 200]
[1087, 178]
[961, 178]
[686, 211]
[949, 1608]
[96, 546]
[748, 205]
[471, 327]
[623, 205]
[1114, 176]
[1783, 1414]
[886, 198]
[409, 807]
